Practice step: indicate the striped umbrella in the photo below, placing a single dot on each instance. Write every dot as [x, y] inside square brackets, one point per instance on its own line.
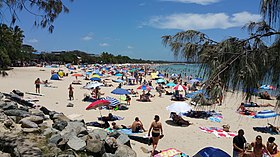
[113, 101]
[180, 87]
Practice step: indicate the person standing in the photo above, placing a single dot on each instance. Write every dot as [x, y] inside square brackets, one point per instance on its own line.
[37, 85]
[71, 92]
[239, 144]
[259, 149]
[157, 132]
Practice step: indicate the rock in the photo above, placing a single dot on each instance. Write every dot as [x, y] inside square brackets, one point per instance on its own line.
[29, 151]
[50, 131]
[10, 106]
[68, 153]
[8, 123]
[31, 130]
[35, 119]
[1, 96]
[126, 151]
[25, 123]
[24, 108]
[108, 155]
[77, 127]
[59, 125]
[95, 146]
[55, 139]
[76, 143]
[16, 112]
[70, 105]
[2, 154]
[2, 103]
[59, 117]
[98, 134]
[110, 145]
[123, 139]
[8, 142]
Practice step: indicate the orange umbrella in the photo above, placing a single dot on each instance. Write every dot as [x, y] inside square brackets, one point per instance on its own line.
[97, 104]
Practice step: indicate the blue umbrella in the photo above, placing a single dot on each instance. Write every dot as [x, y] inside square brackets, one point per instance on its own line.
[95, 79]
[120, 91]
[113, 101]
[119, 74]
[118, 81]
[160, 81]
[170, 84]
[211, 152]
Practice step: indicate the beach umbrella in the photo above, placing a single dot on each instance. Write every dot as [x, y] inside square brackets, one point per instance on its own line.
[193, 81]
[118, 81]
[120, 91]
[179, 107]
[95, 75]
[180, 87]
[174, 75]
[267, 87]
[93, 85]
[160, 80]
[88, 73]
[113, 101]
[266, 114]
[170, 84]
[77, 74]
[145, 87]
[118, 74]
[97, 104]
[211, 152]
[95, 79]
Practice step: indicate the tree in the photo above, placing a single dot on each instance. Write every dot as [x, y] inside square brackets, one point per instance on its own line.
[45, 12]
[236, 63]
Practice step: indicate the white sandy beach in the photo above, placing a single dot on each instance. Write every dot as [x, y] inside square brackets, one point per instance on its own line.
[186, 139]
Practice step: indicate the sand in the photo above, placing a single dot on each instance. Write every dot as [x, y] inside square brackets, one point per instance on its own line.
[186, 139]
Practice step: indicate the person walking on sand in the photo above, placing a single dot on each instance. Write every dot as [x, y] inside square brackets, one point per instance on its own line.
[157, 132]
[37, 85]
[71, 92]
[239, 144]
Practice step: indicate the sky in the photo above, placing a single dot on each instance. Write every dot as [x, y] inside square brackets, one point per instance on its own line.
[134, 27]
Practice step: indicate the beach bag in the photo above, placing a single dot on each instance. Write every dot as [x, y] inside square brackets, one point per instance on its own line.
[226, 128]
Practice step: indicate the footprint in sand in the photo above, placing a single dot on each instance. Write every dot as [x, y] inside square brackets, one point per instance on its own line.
[145, 150]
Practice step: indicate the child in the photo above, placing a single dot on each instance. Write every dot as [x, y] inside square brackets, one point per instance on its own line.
[71, 92]
[271, 146]
[128, 99]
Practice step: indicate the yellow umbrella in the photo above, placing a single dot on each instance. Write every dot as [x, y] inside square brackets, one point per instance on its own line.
[96, 75]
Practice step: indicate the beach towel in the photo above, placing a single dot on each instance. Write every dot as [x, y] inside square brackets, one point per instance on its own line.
[219, 132]
[265, 130]
[215, 119]
[170, 152]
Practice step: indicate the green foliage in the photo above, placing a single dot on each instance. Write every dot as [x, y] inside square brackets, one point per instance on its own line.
[44, 11]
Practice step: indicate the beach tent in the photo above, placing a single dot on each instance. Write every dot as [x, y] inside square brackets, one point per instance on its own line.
[211, 152]
[95, 79]
[55, 76]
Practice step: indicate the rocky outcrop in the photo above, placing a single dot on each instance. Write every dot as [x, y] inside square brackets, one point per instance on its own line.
[30, 132]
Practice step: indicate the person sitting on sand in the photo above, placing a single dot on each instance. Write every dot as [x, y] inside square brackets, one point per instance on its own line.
[116, 127]
[271, 146]
[265, 95]
[179, 120]
[137, 126]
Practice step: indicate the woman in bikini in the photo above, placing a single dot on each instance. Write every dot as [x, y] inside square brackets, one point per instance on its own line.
[259, 148]
[157, 132]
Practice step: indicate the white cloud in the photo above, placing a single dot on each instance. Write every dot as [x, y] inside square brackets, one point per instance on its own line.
[130, 47]
[142, 4]
[202, 21]
[103, 44]
[201, 2]
[33, 41]
[88, 37]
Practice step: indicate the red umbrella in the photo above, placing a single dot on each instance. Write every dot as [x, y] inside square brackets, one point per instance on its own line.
[97, 104]
[145, 87]
[180, 87]
[77, 74]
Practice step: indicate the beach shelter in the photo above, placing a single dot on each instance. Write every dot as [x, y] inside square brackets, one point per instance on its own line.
[179, 107]
[93, 85]
[95, 79]
[97, 104]
[55, 76]
[95, 76]
[113, 101]
[211, 152]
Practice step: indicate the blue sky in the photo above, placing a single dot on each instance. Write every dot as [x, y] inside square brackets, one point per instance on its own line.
[134, 27]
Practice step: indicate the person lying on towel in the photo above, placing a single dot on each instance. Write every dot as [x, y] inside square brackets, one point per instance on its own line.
[179, 120]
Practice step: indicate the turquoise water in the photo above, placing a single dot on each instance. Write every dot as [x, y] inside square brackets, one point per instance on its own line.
[183, 69]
